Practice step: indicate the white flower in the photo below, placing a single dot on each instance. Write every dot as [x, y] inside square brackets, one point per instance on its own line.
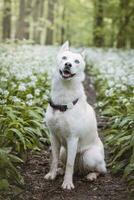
[3, 79]
[3, 101]
[16, 99]
[127, 104]
[124, 79]
[14, 85]
[109, 93]
[100, 104]
[110, 83]
[22, 87]
[125, 101]
[120, 99]
[45, 97]
[30, 102]
[37, 92]
[5, 93]
[123, 88]
[33, 78]
[118, 85]
[31, 84]
[29, 96]
[116, 120]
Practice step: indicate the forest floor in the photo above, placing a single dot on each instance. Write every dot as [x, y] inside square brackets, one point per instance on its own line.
[108, 187]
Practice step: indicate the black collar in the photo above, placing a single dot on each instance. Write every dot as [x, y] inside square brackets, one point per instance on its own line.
[62, 108]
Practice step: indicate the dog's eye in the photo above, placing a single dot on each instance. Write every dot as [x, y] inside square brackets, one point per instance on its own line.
[77, 61]
[64, 57]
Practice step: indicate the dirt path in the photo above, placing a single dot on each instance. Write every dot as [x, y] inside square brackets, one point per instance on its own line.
[106, 187]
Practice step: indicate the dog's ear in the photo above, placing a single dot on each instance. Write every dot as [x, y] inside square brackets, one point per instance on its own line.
[83, 53]
[65, 47]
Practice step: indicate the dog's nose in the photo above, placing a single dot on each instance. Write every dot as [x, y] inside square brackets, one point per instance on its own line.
[68, 65]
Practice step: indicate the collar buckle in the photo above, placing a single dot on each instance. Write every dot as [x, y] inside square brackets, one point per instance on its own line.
[70, 105]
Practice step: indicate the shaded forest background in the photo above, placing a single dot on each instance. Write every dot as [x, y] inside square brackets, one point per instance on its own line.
[82, 22]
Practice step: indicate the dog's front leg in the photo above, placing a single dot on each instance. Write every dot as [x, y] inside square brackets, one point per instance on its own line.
[55, 157]
[71, 154]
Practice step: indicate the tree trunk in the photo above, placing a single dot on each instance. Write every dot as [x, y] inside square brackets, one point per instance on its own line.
[132, 42]
[22, 31]
[98, 36]
[123, 23]
[41, 13]
[125, 30]
[7, 19]
[38, 17]
[35, 19]
[68, 35]
[50, 18]
[132, 33]
[63, 26]
[28, 11]
[20, 23]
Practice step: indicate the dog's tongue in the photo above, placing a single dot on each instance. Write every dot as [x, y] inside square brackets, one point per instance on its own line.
[66, 73]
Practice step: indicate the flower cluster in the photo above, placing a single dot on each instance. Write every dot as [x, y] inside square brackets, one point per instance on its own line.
[113, 72]
[25, 73]
[116, 69]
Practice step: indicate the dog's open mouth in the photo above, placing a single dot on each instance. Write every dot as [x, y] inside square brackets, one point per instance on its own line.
[66, 74]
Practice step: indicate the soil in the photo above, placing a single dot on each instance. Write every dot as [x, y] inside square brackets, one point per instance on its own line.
[108, 187]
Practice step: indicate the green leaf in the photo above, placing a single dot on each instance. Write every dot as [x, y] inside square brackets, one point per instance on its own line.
[4, 184]
[20, 136]
[15, 159]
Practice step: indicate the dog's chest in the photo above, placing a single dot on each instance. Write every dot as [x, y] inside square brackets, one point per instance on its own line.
[58, 123]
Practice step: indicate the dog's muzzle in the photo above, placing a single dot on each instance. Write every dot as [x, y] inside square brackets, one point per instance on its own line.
[66, 73]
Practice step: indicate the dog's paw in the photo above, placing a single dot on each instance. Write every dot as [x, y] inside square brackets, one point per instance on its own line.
[50, 176]
[92, 176]
[67, 185]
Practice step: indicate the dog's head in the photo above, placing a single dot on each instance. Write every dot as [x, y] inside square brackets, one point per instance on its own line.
[70, 65]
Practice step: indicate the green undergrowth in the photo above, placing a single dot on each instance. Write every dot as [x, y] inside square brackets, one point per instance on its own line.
[116, 108]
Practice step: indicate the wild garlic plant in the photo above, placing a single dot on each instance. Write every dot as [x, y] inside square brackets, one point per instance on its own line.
[113, 75]
[25, 73]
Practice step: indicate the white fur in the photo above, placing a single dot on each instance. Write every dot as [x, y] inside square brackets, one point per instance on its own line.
[76, 128]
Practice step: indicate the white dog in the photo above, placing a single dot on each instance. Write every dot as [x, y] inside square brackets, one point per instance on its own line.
[72, 122]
